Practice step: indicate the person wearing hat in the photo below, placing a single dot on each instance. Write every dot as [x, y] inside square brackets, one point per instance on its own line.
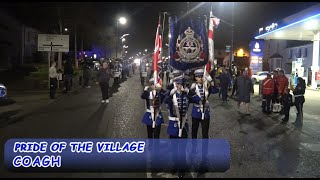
[177, 103]
[154, 96]
[199, 93]
[267, 92]
[172, 84]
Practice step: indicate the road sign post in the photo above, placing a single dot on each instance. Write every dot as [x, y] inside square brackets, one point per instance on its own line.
[53, 43]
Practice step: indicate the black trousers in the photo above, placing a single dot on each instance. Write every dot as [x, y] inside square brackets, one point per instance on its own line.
[53, 87]
[204, 126]
[266, 103]
[154, 133]
[104, 90]
[224, 92]
[179, 154]
[299, 106]
[67, 81]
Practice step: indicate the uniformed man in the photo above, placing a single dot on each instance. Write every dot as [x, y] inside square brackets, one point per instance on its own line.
[178, 103]
[154, 96]
[199, 93]
[172, 84]
[283, 84]
[267, 92]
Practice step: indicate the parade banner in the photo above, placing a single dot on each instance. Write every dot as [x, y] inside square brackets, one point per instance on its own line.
[188, 42]
[116, 155]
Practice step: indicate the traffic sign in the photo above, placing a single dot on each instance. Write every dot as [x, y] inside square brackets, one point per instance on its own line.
[228, 48]
[53, 42]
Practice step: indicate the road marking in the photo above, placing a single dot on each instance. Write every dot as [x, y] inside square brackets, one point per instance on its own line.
[312, 147]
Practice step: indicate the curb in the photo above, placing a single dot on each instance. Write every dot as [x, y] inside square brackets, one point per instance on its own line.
[18, 115]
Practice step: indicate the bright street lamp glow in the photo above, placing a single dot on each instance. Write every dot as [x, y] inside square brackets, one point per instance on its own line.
[123, 20]
[146, 50]
[65, 29]
[137, 61]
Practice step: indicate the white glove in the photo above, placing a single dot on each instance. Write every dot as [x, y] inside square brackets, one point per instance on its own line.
[186, 90]
[173, 91]
[171, 81]
[193, 86]
[208, 78]
[146, 88]
[158, 86]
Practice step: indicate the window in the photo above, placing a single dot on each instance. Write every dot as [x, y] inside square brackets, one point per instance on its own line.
[298, 53]
[290, 53]
[305, 52]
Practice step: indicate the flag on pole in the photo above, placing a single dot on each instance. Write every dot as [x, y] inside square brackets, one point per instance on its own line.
[213, 22]
[157, 54]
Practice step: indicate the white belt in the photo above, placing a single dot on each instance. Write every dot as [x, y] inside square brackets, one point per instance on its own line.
[298, 95]
[175, 118]
[197, 105]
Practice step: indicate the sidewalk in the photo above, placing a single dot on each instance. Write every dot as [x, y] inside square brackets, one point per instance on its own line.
[28, 102]
[311, 114]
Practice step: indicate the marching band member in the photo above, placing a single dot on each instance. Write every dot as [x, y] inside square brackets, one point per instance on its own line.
[154, 96]
[177, 104]
[199, 93]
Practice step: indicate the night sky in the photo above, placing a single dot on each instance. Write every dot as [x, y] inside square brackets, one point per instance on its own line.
[143, 16]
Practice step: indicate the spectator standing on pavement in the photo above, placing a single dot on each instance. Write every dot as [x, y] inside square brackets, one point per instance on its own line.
[299, 100]
[234, 88]
[53, 79]
[225, 81]
[103, 77]
[244, 89]
[283, 84]
[86, 75]
[275, 98]
[267, 92]
[68, 72]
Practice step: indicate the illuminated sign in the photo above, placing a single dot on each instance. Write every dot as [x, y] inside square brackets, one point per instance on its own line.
[272, 27]
[257, 47]
[256, 55]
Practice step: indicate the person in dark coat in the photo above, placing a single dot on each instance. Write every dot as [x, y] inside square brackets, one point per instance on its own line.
[244, 90]
[299, 100]
[225, 81]
[68, 72]
[103, 77]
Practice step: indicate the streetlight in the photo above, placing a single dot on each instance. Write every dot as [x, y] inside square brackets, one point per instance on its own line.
[66, 29]
[146, 50]
[122, 21]
[232, 26]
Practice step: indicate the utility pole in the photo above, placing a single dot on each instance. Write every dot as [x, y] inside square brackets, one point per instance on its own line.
[60, 27]
[232, 48]
[75, 45]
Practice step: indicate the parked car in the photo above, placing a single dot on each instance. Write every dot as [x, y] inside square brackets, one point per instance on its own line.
[261, 75]
[3, 92]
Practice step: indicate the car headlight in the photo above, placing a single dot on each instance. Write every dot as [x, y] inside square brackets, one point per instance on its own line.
[3, 91]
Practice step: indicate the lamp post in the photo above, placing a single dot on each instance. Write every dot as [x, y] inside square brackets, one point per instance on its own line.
[121, 20]
[232, 48]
